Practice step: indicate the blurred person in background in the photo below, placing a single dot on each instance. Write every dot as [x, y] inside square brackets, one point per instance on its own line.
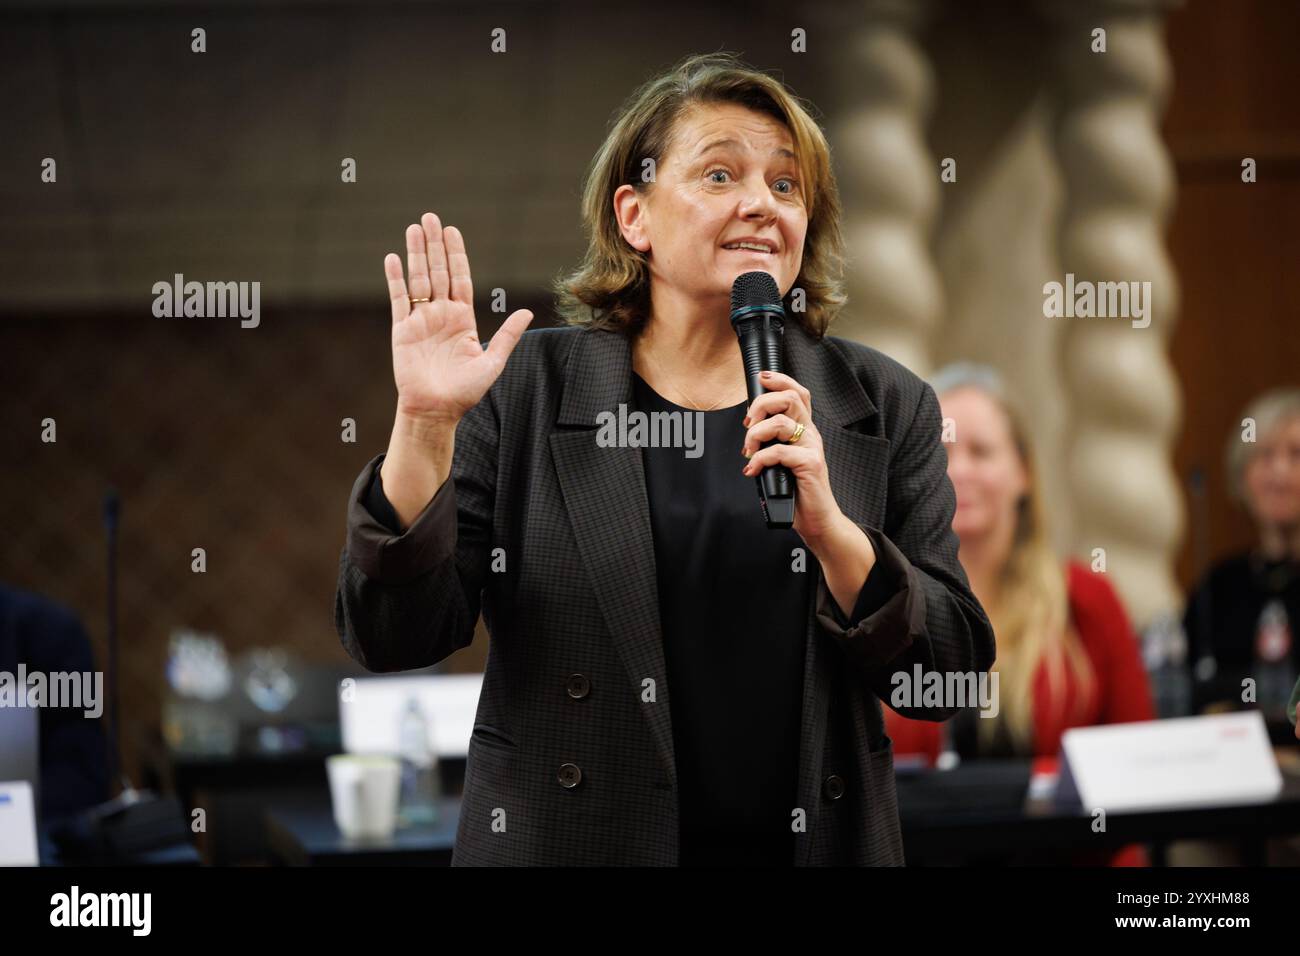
[1067, 655]
[1240, 617]
[48, 638]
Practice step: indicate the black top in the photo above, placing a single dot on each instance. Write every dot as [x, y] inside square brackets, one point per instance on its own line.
[380, 507]
[733, 610]
[1223, 624]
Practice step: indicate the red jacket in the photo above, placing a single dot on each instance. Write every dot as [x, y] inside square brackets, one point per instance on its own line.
[1121, 693]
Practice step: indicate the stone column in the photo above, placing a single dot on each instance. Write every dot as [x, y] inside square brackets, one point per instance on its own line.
[1123, 403]
[888, 181]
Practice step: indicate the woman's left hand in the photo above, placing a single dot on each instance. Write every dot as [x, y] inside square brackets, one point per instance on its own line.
[775, 415]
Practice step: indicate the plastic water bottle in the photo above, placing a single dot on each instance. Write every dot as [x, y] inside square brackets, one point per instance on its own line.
[1164, 652]
[420, 785]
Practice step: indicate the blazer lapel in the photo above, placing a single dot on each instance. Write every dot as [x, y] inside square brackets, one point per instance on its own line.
[858, 467]
[605, 494]
[857, 464]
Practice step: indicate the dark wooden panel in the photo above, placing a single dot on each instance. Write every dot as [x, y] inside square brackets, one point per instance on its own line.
[1234, 245]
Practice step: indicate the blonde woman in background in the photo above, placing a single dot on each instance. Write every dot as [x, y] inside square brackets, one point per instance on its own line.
[1067, 656]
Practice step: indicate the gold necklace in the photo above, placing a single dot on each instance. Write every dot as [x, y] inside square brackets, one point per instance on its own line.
[677, 389]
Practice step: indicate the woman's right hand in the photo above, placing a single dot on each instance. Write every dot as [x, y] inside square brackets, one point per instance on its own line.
[440, 367]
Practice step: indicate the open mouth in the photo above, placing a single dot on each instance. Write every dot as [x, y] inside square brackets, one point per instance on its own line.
[757, 248]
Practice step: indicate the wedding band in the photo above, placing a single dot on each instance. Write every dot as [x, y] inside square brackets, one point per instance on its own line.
[798, 433]
[413, 301]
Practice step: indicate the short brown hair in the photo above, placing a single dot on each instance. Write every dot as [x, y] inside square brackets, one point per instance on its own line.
[611, 288]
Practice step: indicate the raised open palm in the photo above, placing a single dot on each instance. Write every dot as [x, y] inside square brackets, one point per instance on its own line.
[439, 366]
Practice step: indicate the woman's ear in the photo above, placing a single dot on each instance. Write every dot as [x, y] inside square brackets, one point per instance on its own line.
[629, 211]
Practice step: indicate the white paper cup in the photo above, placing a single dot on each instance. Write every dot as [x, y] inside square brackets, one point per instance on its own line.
[365, 791]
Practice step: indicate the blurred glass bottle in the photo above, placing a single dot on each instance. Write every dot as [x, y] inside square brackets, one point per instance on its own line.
[420, 784]
[1164, 652]
[1274, 667]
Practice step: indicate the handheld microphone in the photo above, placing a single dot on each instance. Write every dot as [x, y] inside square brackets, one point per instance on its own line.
[758, 318]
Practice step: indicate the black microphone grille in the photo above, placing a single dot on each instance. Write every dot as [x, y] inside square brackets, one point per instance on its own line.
[754, 288]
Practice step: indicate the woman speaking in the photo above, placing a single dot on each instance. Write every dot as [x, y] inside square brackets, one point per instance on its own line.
[669, 680]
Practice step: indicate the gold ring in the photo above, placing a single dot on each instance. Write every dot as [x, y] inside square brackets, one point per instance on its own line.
[413, 301]
[798, 433]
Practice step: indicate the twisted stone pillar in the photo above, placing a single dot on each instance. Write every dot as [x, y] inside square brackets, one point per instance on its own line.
[889, 182]
[1123, 403]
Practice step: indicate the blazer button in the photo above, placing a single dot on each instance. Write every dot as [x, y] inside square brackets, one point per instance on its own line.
[569, 776]
[833, 787]
[578, 686]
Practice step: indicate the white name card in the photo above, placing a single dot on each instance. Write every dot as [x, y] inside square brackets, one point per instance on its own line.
[371, 708]
[17, 825]
[1182, 762]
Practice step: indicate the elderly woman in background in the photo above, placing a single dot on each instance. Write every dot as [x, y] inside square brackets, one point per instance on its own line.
[1067, 656]
[1241, 617]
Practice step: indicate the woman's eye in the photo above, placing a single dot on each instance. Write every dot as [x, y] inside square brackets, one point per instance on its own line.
[713, 172]
[790, 183]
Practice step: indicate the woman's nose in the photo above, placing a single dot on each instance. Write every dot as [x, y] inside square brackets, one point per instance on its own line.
[758, 202]
[1276, 465]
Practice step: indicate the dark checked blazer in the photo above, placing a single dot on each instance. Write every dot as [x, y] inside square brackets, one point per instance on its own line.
[569, 750]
